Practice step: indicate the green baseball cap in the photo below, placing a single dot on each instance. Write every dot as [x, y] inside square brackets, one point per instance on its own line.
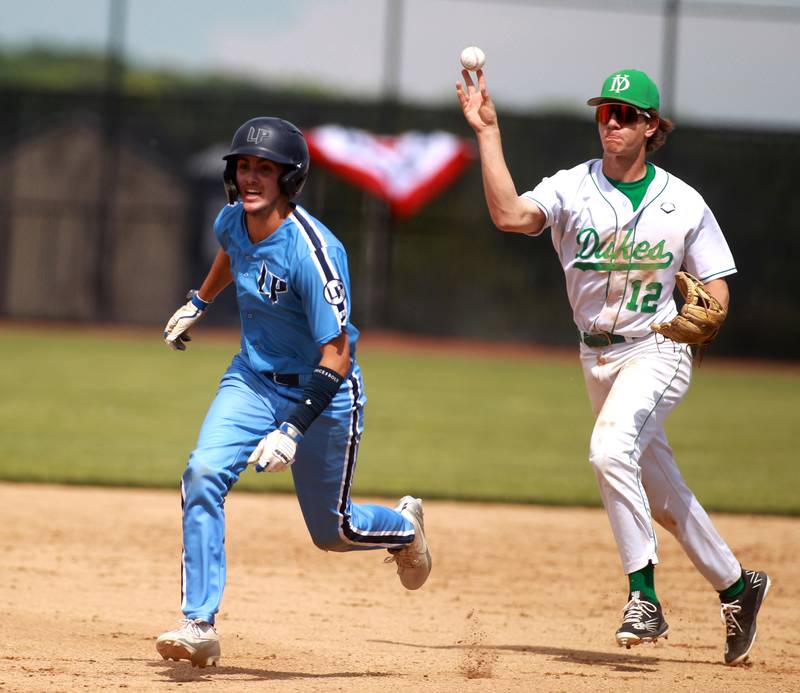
[629, 86]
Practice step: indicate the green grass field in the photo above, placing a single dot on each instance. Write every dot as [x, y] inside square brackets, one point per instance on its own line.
[121, 409]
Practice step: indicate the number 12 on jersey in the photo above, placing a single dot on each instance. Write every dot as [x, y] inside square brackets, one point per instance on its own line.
[649, 299]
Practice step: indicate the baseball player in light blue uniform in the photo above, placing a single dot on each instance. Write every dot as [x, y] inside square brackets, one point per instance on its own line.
[292, 397]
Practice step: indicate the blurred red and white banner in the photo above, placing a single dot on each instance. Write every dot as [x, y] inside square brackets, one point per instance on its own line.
[406, 170]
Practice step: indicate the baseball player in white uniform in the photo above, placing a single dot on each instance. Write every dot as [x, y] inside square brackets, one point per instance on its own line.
[622, 229]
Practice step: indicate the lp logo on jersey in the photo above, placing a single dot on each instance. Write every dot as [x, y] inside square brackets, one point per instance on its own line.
[334, 292]
[620, 83]
[335, 295]
[269, 284]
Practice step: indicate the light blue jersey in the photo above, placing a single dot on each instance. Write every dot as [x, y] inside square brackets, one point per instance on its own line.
[292, 288]
[293, 292]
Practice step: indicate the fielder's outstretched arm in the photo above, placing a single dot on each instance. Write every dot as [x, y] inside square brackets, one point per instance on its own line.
[509, 211]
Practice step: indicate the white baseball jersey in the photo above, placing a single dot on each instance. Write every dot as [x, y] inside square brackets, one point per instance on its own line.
[620, 263]
[620, 267]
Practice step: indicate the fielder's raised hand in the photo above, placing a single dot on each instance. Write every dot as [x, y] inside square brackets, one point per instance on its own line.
[176, 332]
[475, 101]
[275, 453]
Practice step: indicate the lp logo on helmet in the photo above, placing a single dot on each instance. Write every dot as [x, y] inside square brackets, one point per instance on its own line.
[257, 136]
[620, 83]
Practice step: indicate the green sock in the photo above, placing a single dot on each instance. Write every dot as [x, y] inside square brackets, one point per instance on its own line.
[643, 581]
[733, 591]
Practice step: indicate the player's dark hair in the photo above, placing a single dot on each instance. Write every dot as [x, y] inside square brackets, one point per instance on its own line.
[659, 137]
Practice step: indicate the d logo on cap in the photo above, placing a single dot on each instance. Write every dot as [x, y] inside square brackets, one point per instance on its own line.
[620, 83]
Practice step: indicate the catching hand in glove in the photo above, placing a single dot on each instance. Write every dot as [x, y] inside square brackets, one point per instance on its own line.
[699, 319]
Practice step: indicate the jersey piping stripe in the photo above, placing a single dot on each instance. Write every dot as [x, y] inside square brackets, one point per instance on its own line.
[616, 233]
[636, 221]
[348, 532]
[327, 272]
[721, 273]
[547, 220]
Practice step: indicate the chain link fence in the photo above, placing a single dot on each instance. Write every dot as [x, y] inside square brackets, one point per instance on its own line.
[107, 206]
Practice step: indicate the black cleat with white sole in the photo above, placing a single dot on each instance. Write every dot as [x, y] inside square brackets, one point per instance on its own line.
[739, 616]
[642, 621]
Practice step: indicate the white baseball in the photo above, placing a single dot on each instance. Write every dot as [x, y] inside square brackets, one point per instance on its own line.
[472, 58]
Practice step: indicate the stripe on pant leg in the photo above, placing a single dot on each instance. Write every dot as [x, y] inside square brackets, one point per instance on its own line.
[348, 532]
[183, 551]
[642, 493]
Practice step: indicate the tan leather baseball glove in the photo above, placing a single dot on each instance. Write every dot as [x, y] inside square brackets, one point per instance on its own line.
[700, 317]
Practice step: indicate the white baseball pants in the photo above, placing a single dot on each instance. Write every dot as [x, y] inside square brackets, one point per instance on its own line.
[633, 386]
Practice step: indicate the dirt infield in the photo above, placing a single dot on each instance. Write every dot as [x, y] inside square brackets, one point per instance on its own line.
[521, 598]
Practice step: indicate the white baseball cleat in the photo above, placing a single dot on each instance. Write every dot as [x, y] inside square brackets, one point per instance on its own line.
[195, 640]
[413, 560]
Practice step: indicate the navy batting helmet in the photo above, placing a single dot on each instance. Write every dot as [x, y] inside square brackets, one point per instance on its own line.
[274, 139]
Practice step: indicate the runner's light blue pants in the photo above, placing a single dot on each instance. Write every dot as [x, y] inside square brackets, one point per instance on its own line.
[247, 407]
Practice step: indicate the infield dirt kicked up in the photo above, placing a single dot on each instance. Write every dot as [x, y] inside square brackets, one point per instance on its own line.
[521, 598]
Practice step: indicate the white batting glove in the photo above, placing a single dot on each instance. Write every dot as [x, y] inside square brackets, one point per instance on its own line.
[275, 453]
[176, 332]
